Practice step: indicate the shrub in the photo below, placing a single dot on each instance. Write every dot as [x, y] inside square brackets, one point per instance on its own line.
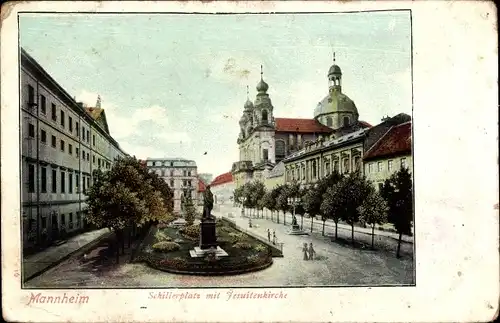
[192, 231]
[253, 259]
[176, 262]
[166, 246]
[161, 236]
[259, 248]
[243, 245]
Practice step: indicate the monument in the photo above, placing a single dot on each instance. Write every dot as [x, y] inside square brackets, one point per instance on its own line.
[296, 228]
[208, 236]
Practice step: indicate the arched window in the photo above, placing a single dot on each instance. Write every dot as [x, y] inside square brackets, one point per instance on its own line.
[346, 121]
[329, 121]
[314, 168]
[264, 116]
[280, 150]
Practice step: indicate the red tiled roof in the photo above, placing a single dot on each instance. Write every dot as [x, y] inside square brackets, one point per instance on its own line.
[365, 124]
[300, 125]
[396, 141]
[201, 185]
[222, 179]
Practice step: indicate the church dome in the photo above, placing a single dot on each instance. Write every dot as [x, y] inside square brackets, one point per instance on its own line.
[334, 69]
[262, 86]
[336, 102]
[248, 105]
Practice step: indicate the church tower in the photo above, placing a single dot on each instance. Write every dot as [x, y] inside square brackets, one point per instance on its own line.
[263, 108]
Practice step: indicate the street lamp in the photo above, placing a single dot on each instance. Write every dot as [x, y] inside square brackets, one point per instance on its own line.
[243, 199]
[294, 201]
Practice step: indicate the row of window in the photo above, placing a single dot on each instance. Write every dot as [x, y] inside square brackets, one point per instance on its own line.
[43, 222]
[62, 116]
[71, 186]
[380, 166]
[184, 183]
[163, 173]
[62, 146]
[295, 173]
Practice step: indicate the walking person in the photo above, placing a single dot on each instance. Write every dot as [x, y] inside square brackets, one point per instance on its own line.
[274, 237]
[304, 249]
[312, 252]
[269, 235]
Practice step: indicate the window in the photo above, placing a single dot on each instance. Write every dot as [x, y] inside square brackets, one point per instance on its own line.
[53, 141]
[43, 103]
[357, 163]
[189, 173]
[88, 181]
[184, 183]
[31, 94]
[403, 162]
[77, 128]
[346, 121]
[31, 178]
[379, 166]
[389, 165]
[93, 159]
[83, 183]
[44, 179]
[370, 169]
[62, 145]
[54, 112]
[264, 116]
[184, 173]
[31, 130]
[83, 133]
[329, 121]
[314, 168]
[70, 149]
[88, 157]
[70, 124]
[303, 172]
[43, 136]
[63, 219]
[93, 140]
[99, 162]
[88, 136]
[280, 150]
[70, 183]
[336, 166]
[63, 181]
[62, 119]
[71, 220]
[44, 222]
[162, 172]
[327, 168]
[77, 152]
[171, 183]
[265, 154]
[171, 164]
[77, 180]
[54, 181]
[171, 173]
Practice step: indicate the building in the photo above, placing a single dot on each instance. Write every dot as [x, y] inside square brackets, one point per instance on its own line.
[201, 190]
[62, 143]
[180, 174]
[264, 140]
[222, 188]
[392, 152]
[206, 177]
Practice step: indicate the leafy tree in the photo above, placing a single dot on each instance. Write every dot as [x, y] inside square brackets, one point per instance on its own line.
[282, 201]
[248, 202]
[190, 210]
[238, 195]
[373, 211]
[331, 206]
[312, 202]
[277, 194]
[398, 192]
[268, 201]
[328, 210]
[258, 190]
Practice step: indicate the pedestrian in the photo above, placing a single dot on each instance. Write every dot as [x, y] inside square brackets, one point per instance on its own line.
[250, 222]
[312, 253]
[304, 249]
[274, 237]
[269, 235]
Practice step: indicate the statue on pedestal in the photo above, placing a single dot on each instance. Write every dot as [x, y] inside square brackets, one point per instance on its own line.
[208, 205]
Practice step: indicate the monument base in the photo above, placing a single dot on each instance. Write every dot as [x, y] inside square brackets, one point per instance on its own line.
[208, 238]
[197, 252]
[295, 231]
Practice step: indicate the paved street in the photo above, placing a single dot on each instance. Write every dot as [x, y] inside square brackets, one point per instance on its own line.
[338, 265]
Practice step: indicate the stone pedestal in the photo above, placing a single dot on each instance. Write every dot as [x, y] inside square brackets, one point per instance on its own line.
[208, 238]
[197, 252]
[296, 230]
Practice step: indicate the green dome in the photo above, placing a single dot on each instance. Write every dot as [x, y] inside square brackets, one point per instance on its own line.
[262, 86]
[334, 69]
[334, 103]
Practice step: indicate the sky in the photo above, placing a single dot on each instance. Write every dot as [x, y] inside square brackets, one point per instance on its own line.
[174, 85]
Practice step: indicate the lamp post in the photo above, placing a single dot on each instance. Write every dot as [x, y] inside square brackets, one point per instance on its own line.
[243, 199]
[294, 201]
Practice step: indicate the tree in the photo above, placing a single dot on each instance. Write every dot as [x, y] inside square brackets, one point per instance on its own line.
[277, 194]
[271, 199]
[258, 190]
[328, 209]
[123, 196]
[373, 211]
[398, 192]
[331, 206]
[190, 211]
[248, 202]
[282, 201]
[312, 202]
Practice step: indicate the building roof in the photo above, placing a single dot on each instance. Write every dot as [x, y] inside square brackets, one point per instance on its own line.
[365, 124]
[396, 141]
[222, 179]
[300, 125]
[201, 185]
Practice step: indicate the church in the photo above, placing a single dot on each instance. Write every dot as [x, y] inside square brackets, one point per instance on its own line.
[264, 141]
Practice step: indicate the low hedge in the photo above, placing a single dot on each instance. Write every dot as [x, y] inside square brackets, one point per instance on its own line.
[243, 245]
[166, 246]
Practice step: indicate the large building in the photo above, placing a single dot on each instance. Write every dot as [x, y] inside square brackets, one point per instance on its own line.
[180, 174]
[264, 140]
[222, 188]
[62, 142]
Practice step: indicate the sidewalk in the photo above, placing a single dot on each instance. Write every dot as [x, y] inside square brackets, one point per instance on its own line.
[224, 209]
[45, 259]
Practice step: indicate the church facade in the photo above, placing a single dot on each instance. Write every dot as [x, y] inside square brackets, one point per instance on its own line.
[265, 142]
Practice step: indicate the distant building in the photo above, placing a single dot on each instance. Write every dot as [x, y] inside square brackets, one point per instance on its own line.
[180, 174]
[201, 189]
[222, 188]
[392, 152]
[206, 177]
[264, 140]
[62, 143]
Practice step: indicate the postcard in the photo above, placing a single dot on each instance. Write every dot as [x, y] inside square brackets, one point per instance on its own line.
[278, 161]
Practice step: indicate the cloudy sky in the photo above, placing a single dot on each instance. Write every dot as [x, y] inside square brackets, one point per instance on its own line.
[175, 85]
